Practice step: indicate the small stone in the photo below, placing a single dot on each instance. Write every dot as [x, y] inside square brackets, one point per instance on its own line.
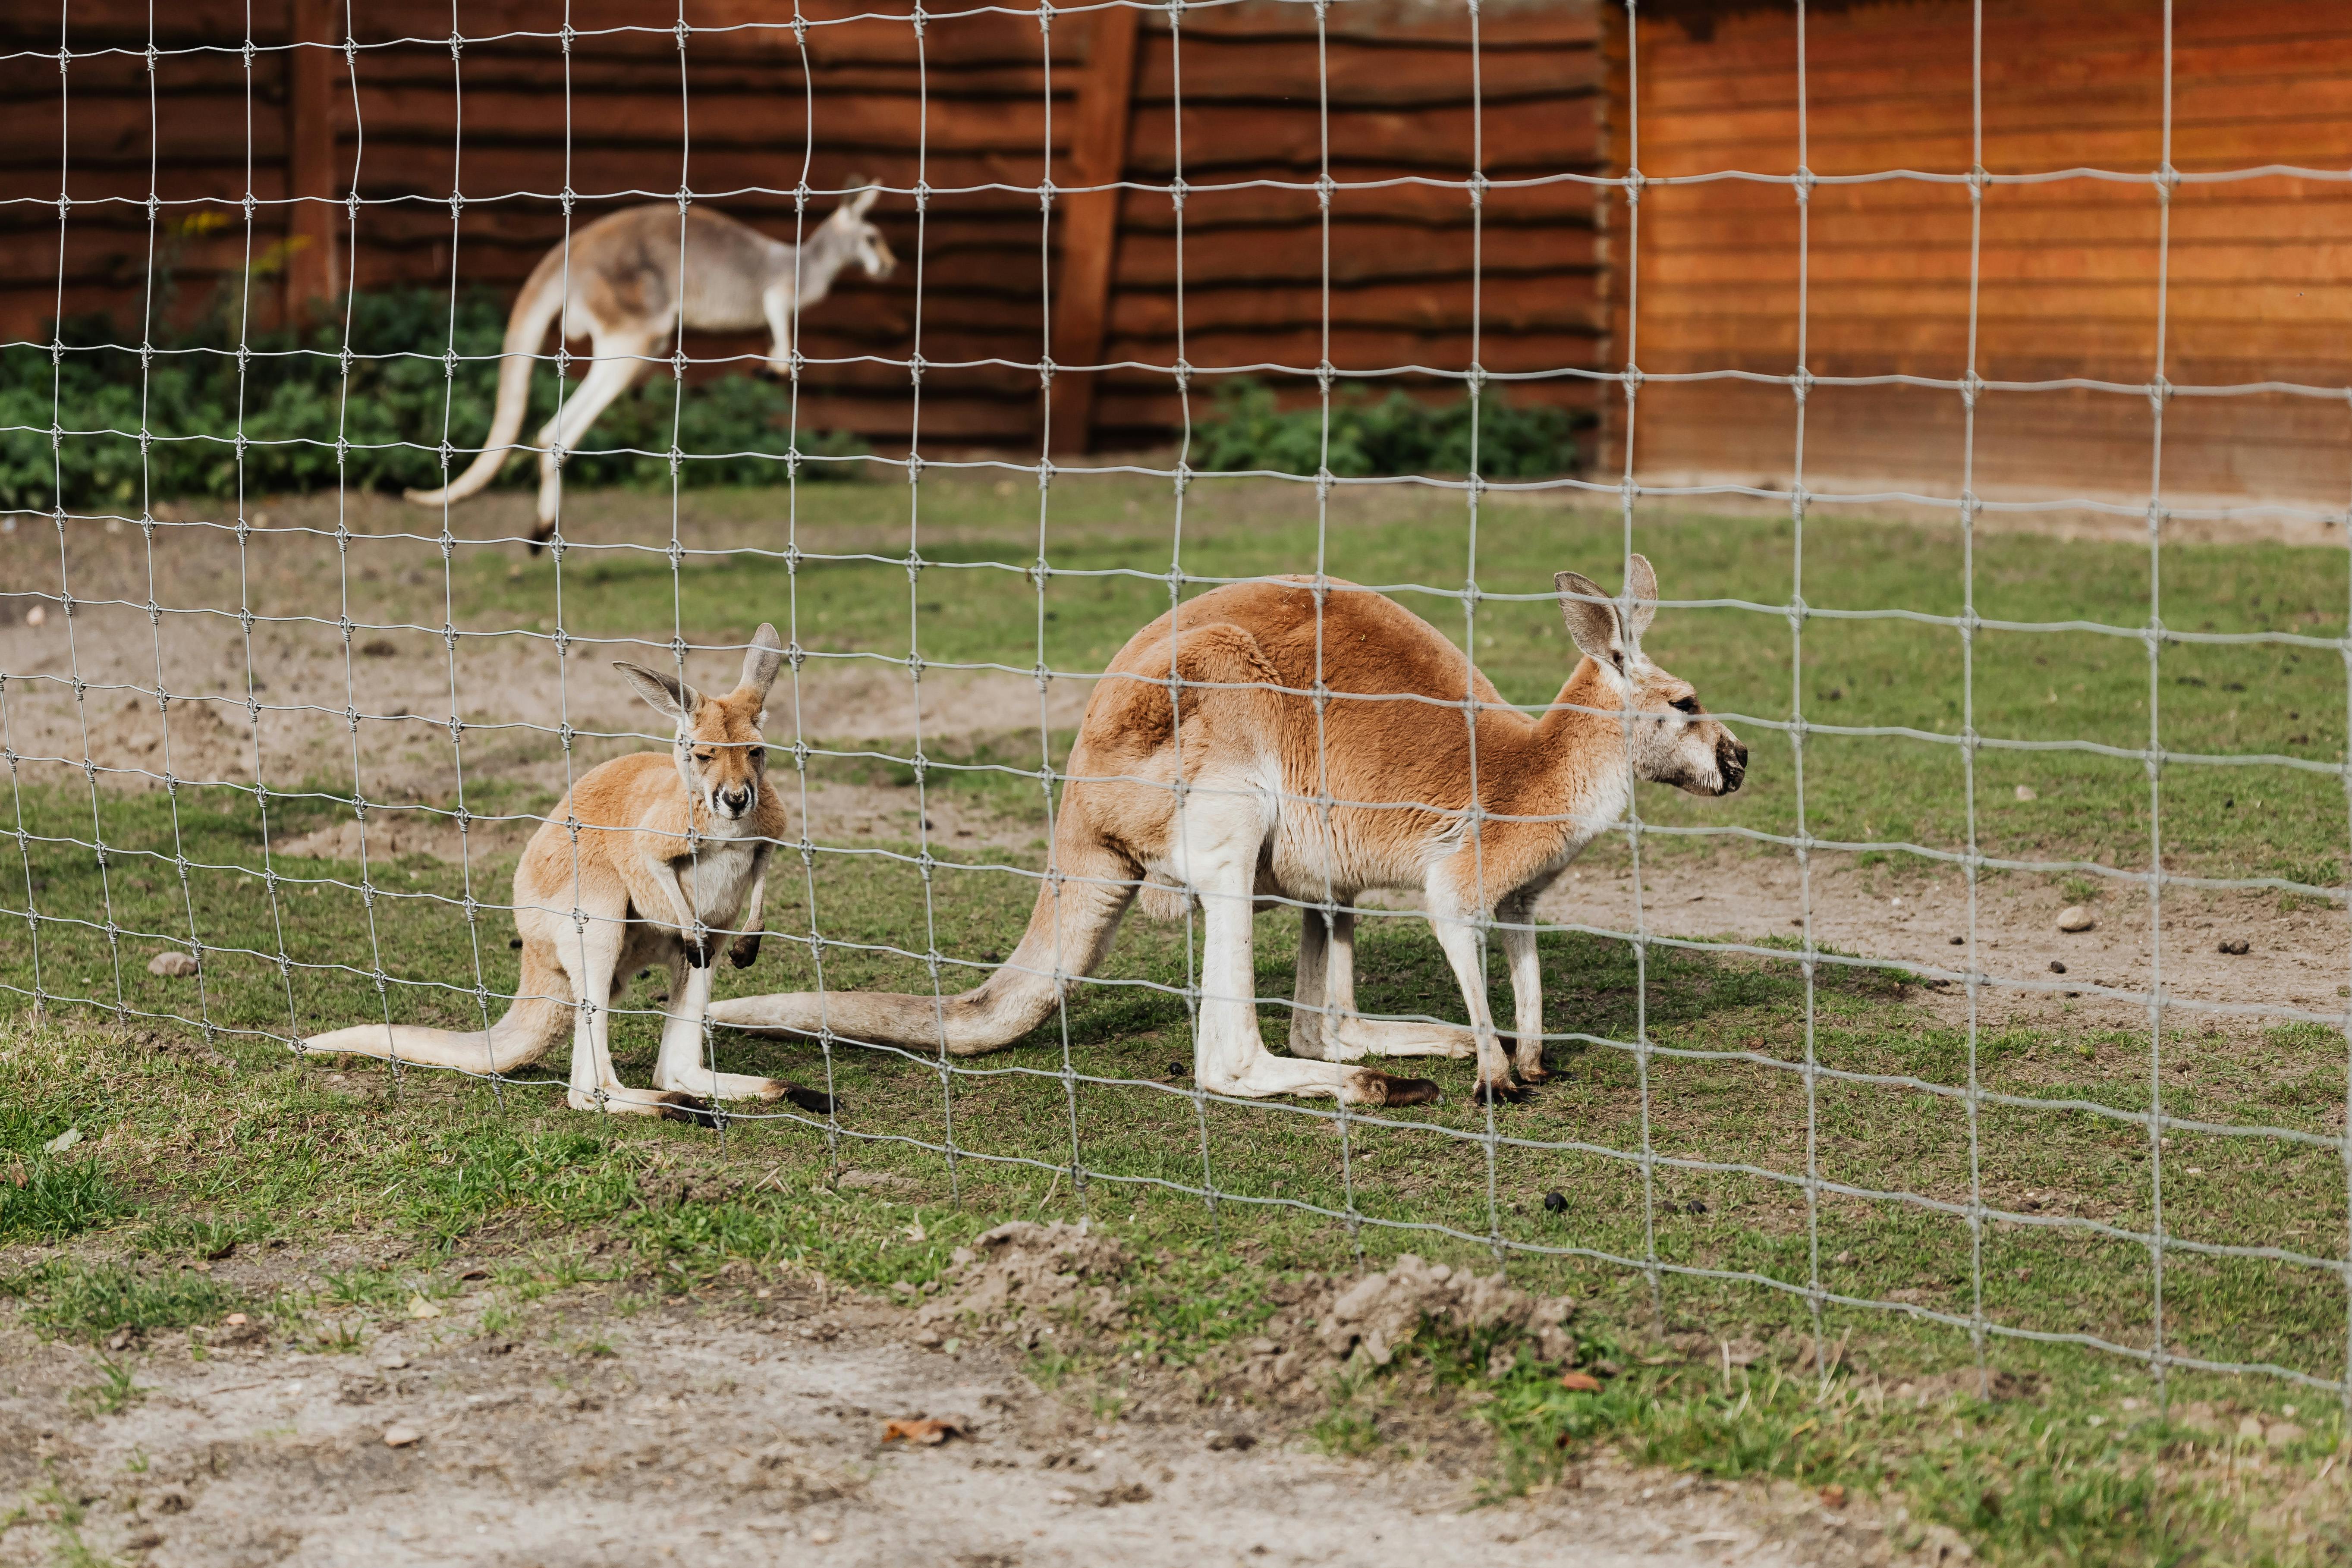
[928, 1338]
[393, 1363]
[418, 1307]
[2027, 792]
[402, 1437]
[2075, 917]
[36, 615]
[2056, 967]
[172, 965]
[2237, 945]
[235, 1320]
[821, 1538]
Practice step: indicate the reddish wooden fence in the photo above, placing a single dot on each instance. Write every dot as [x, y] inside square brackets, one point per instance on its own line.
[981, 108]
[2253, 281]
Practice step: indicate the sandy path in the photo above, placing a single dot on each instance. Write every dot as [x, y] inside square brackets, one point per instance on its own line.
[736, 1430]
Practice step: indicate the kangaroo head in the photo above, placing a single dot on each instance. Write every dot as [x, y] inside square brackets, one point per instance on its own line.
[1675, 739]
[861, 239]
[720, 755]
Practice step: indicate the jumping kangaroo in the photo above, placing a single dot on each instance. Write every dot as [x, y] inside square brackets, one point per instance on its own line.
[672, 854]
[1238, 815]
[621, 291]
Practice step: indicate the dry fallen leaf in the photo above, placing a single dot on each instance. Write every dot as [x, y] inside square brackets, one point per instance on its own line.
[921, 1431]
[1580, 1383]
[1833, 1495]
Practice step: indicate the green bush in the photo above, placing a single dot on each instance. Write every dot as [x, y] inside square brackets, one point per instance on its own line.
[294, 402]
[1397, 435]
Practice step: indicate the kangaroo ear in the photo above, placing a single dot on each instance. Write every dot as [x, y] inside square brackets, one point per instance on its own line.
[1642, 587]
[1592, 618]
[671, 696]
[761, 660]
[858, 202]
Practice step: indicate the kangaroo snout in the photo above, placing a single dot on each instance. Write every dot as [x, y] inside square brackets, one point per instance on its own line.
[737, 801]
[1730, 761]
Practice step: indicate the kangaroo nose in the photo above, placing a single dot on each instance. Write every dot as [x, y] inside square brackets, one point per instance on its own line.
[1731, 759]
[738, 800]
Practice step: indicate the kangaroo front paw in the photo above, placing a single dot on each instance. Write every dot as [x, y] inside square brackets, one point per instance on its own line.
[745, 953]
[698, 952]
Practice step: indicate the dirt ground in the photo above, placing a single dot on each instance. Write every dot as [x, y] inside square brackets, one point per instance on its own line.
[506, 687]
[746, 1425]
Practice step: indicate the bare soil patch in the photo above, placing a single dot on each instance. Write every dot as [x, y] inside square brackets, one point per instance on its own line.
[746, 1423]
[2294, 957]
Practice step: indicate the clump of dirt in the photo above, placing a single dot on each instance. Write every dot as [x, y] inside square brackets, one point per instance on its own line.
[1380, 1313]
[202, 745]
[1026, 1270]
[394, 835]
[676, 1189]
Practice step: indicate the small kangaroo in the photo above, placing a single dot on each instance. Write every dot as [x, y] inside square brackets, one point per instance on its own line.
[672, 852]
[1220, 799]
[621, 291]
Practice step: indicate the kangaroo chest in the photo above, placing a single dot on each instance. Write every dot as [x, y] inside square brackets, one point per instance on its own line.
[716, 876]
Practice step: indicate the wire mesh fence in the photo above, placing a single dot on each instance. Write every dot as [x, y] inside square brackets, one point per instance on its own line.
[214, 874]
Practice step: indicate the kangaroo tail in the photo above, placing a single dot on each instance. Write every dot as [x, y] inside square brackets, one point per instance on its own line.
[529, 1029]
[1070, 930]
[534, 308]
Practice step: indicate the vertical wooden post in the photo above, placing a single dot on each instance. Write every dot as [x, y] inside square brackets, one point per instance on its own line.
[1609, 215]
[313, 276]
[1090, 221]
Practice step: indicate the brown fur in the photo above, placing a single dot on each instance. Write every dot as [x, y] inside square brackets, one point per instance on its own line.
[1378, 792]
[631, 280]
[648, 861]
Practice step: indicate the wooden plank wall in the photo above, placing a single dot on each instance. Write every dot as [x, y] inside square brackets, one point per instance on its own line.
[2257, 288]
[969, 106]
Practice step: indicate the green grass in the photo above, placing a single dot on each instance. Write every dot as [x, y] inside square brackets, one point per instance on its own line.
[1110, 546]
[89, 1301]
[197, 1144]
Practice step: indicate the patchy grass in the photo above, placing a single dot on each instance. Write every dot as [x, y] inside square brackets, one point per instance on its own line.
[1678, 1132]
[89, 1301]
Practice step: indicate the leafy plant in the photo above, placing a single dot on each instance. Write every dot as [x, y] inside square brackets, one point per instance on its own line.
[304, 411]
[1248, 428]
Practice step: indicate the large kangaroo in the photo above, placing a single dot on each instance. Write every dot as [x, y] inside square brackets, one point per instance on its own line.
[1234, 811]
[620, 289]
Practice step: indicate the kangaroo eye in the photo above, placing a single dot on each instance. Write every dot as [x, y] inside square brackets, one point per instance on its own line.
[703, 757]
[758, 754]
[1686, 704]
